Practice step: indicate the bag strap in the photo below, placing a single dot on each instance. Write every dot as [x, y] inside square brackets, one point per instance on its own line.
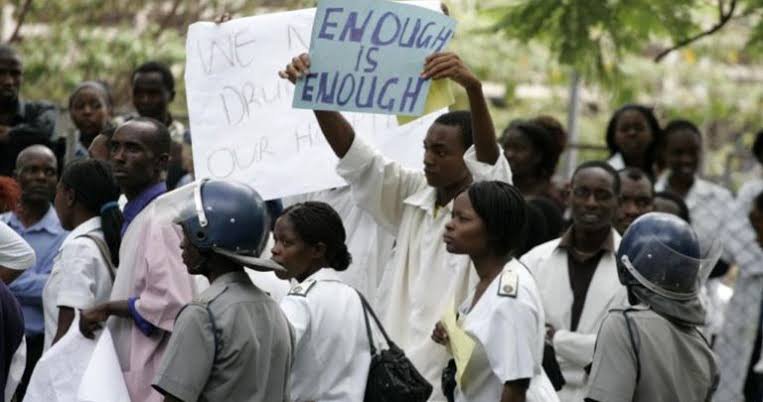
[366, 311]
[105, 253]
[214, 332]
[635, 343]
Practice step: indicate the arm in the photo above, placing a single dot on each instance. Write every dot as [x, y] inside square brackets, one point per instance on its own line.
[449, 65]
[29, 285]
[574, 347]
[65, 319]
[15, 254]
[515, 391]
[613, 374]
[39, 127]
[91, 319]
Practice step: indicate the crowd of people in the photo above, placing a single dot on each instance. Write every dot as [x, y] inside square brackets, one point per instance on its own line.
[610, 286]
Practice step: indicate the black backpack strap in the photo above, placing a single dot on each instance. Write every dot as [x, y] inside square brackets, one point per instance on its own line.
[635, 342]
[214, 332]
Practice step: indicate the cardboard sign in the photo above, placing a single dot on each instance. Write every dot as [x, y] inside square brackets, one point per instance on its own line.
[368, 55]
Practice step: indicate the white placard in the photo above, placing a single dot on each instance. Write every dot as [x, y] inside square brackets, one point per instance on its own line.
[242, 122]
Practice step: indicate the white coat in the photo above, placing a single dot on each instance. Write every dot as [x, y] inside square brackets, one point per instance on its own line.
[332, 353]
[423, 276]
[574, 350]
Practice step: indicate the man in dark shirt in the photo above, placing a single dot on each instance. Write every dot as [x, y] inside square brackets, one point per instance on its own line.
[22, 123]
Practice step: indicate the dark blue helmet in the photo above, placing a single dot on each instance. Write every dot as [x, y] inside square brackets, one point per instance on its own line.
[662, 253]
[228, 218]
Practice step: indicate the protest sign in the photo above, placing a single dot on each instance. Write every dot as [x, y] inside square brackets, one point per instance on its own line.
[368, 55]
[242, 123]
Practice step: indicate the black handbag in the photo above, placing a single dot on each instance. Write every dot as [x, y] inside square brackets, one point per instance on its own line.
[391, 377]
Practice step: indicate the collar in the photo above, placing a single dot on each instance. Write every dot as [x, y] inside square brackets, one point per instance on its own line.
[566, 241]
[48, 223]
[231, 277]
[426, 199]
[85, 227]
[700, 187]
[324, 274]
[137, 204]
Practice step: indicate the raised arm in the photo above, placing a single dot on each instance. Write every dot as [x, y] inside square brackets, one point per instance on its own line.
[337, 130]
[449, 65]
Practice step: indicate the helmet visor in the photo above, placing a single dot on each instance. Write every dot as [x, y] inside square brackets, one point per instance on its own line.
[181, 204]
[670, 273]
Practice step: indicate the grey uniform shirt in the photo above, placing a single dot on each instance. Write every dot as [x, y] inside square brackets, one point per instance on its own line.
[254, 346]
[677, 365]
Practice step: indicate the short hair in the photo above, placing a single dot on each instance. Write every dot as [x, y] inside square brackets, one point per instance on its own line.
[635, 174]
[161, 141]
[503, 212]
[96, 190]
[461, 119]
[34, 149]
[555, 128]
[651, 120]
[316, 222]
[100, 86]
[683, 209]
[601, 165]
[544, 222]
[156, 67]
[681, 124]
[8, 52]
[542, 140]
[757, 147]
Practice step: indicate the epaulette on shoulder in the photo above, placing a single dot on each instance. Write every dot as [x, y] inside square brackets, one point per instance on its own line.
[508, 285]
[302, 289]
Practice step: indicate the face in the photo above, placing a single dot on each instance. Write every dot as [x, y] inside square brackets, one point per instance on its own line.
[89, 111]
[682, 152]
[10, 78]
[667, 206]
[133, 162]
[636, 199]
[632, 133]
[465, 233]
[593, 201]
[37, 175]
[64, 204]
[444, 156]
[149, 95]
[192, 258]
[291, 251]
[520, 153]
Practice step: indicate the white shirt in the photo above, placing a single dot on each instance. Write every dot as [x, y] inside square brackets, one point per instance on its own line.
[574, 350]
[80, 277]
[369, 244]
[509, 333]
[15, 253]
[616, 161]
[332, 353]
[423, 276]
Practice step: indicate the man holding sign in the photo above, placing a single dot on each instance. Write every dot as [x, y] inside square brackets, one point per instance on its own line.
[459, 148]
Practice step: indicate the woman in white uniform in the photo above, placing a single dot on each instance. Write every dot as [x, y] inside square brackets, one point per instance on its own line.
[332, 354]
[504, 314]
[83, 271]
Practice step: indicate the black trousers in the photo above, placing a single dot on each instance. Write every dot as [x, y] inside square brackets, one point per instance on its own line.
[34, 345]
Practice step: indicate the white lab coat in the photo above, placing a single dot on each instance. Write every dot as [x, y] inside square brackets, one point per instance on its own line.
[574, 350]
[509, 333]
[369, 244]
[423, 276]
[332, 354]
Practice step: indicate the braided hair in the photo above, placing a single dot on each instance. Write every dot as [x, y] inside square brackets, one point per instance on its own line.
[504, 213]
[316, 222]
[95, 189]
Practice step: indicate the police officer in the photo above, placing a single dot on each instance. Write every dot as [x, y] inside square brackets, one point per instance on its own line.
[232, 342]
[654, 351]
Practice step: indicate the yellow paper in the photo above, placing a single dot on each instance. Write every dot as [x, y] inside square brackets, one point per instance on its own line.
[461, 345]
[440, 96]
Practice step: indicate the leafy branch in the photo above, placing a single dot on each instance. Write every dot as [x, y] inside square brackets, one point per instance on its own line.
[724, 16]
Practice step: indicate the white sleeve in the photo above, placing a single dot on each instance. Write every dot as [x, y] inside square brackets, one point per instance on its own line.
[15, 253]
[298, 313]
[500, 171]
[79, 267]
[509, 337]
[379, 186]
